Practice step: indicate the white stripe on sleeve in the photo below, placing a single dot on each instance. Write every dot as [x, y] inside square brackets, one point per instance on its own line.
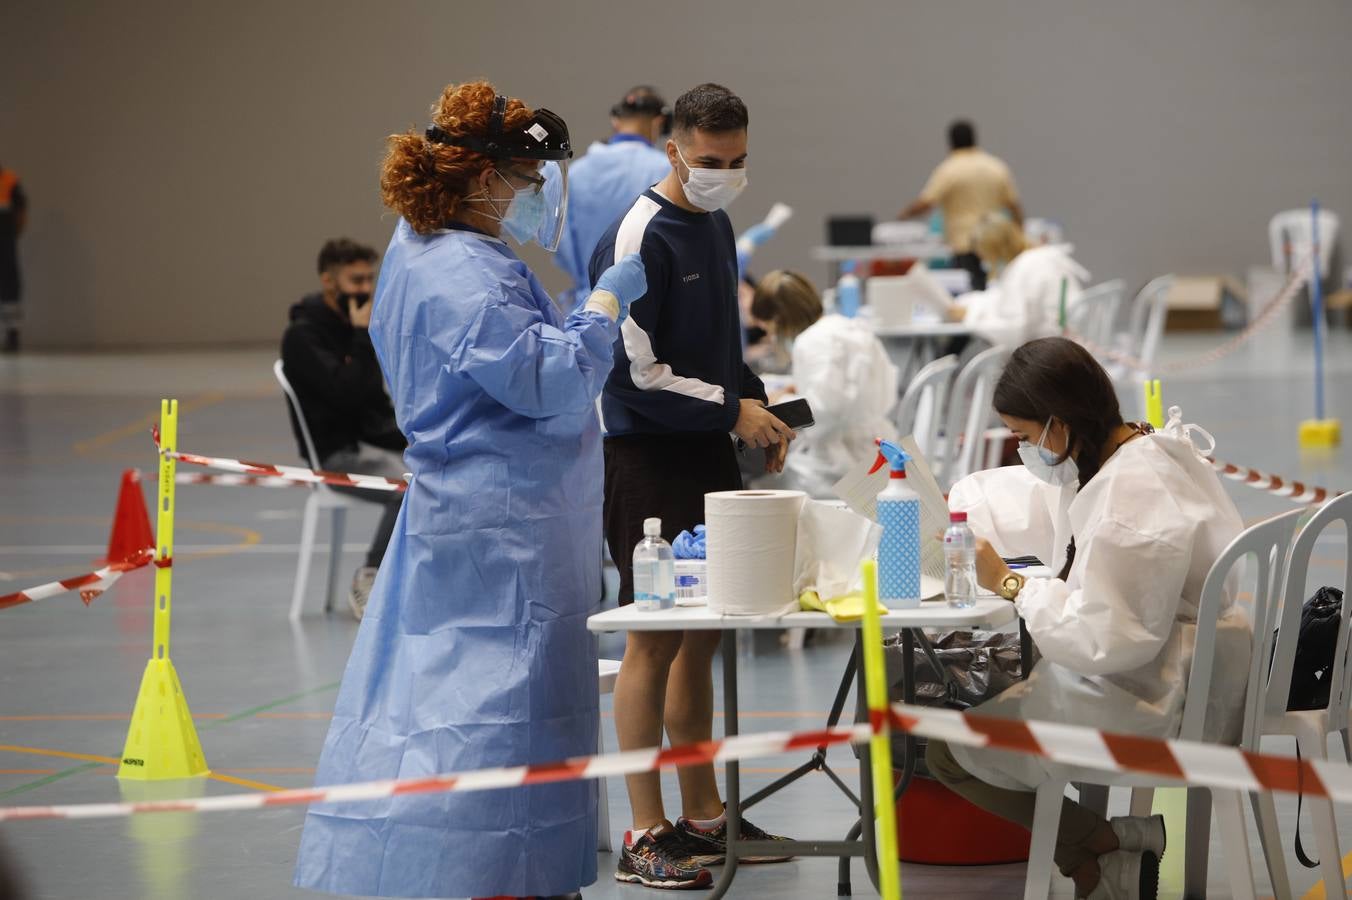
[647, 373]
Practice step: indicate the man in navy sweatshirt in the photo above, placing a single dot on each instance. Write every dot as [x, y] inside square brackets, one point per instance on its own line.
[678, 391]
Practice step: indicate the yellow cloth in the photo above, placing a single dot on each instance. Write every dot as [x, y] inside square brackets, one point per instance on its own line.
[967, 185]
[845, 608]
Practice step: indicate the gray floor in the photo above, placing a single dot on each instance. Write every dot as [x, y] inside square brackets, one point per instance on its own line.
[262, 692]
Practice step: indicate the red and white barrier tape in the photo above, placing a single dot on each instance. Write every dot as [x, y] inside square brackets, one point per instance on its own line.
[1294, 282]
[285, 473]
[264, 481]
[1197, 764]
[1296, 491]
[90, 585]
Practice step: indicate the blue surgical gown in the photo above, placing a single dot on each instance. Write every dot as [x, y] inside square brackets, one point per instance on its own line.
[602, 185]
[474, 650]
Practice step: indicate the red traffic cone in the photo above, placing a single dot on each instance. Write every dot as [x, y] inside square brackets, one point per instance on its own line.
[132, 543]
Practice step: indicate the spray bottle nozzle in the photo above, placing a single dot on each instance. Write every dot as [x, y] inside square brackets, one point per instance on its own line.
[890, 453]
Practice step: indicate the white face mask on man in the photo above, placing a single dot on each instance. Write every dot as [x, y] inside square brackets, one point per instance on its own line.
[1043, 464]
[711, 189]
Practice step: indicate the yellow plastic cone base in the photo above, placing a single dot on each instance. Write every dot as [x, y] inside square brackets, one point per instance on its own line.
[1319, 434]
[162, 742]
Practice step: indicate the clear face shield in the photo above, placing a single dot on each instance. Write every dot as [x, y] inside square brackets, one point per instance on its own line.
[545, 206]
[537, 210]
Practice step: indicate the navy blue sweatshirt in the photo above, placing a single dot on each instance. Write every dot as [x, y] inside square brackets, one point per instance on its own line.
[678, 359]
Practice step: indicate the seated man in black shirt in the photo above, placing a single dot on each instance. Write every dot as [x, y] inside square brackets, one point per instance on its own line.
[328, 358]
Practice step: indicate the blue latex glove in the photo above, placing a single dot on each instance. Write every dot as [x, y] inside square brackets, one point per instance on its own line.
[690, 546]
[757, 235]
[627, 280]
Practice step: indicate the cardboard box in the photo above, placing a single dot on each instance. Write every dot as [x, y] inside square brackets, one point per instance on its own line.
[1206, 303]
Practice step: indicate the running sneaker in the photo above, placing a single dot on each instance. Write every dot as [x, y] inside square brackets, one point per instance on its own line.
[710, 848]
[659, 859]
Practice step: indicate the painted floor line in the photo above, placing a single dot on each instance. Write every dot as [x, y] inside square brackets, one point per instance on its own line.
[143, 425]
[96, 761]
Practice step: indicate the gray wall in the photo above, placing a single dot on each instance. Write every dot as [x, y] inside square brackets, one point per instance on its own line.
[185, 161]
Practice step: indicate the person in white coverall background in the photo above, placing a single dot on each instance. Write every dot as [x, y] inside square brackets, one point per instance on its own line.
[1023, 300]
[842, 370]
[1132, 522]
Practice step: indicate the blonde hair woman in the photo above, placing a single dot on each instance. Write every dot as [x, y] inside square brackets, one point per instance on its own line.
[1023, 300]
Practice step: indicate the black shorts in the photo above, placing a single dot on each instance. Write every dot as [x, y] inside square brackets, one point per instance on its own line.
[661, 476]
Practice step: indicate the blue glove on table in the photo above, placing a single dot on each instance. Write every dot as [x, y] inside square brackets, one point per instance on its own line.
[690, 546]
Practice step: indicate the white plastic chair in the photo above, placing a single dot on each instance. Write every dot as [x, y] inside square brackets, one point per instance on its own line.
[608, 670]
[1311, 728]
[1267, 543]
[1145, 326]
[1289, 238]
[1093, 315]
[923, 405]
[969, 413]
[321, 497]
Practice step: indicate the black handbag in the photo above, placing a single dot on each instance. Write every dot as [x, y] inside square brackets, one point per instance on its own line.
[1316, 646]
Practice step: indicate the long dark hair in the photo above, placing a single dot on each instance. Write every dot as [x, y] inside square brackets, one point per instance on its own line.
[1056, 378]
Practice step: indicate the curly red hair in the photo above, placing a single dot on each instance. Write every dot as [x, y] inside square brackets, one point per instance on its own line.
[425, 182]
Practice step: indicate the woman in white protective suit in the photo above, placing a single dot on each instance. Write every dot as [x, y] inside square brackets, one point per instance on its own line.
[843, 372]
[1023, 300]
[1132, 521]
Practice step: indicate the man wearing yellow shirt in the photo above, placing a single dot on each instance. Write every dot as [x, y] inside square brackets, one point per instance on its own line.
[966, 186]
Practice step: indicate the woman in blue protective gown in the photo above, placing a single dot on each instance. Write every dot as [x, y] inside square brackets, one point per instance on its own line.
[474, 651]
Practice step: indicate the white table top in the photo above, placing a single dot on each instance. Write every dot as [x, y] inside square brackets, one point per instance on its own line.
[917, 250]
[989, 612]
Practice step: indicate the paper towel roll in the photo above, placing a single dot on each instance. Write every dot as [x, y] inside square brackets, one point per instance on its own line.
[751, 541]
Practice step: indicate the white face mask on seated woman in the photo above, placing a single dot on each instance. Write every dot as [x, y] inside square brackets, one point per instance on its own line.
[1044, 463]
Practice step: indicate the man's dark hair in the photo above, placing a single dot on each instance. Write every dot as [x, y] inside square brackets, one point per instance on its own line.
[709, 107]
[961, 135]
[344, 252]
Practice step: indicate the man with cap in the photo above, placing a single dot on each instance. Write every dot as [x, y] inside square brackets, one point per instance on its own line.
[604, 183]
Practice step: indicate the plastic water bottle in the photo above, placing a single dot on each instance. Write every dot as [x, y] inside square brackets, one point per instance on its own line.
[960, 554]
[654, 570]
[849, 295]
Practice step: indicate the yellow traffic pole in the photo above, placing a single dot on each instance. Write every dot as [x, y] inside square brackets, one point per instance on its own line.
[880, 745]
[162, 740]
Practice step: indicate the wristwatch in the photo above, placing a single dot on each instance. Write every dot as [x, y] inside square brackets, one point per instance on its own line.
[1010, 586]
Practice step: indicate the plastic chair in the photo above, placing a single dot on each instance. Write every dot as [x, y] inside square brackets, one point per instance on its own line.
[1145, 326]
[608, 670]
[1094, 314]
[923, 405]
[322, 497]
[1311, 728]
[1267, 542]
[969, 413]
[1289, 238]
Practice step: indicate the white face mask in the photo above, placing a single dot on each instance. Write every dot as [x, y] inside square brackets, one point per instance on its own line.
[1043, 463]
[711, 189]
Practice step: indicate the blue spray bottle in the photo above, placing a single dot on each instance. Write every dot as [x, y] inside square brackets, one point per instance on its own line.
[899, 514]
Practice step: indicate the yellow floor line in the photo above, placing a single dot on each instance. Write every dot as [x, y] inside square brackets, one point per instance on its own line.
[243, 782]
[1317, 892]
[143, 425]
[108, 760]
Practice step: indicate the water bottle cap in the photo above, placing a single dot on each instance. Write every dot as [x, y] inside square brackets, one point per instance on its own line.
[652, 527]
[957, 517]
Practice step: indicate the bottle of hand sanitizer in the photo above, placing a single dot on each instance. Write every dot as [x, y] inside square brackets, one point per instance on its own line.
[899, 514]
[654, 570]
